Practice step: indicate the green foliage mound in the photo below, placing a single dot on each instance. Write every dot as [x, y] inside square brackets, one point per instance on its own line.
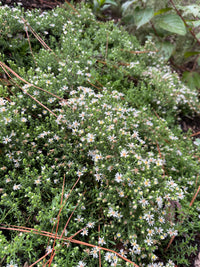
[97, 113]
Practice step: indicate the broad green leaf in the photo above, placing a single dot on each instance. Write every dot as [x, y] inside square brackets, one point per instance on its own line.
[104, 7]
[196, 23]
[192, 79]
[172, 23]
[111, 2]
[190, 9]
[142, 16]
[191, 53]
[163, 10]
[96, 4]
[198, 35]
[166, 49]
[125, 5]
[128, 19]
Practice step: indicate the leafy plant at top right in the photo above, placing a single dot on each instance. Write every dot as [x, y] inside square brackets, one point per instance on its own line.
[170, 25]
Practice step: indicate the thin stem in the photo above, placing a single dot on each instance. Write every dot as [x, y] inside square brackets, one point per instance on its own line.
[180, 15]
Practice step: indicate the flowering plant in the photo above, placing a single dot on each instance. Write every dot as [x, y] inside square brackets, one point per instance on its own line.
[93, 111]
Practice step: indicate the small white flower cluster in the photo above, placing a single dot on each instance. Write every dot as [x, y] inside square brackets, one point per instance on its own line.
[136, 167]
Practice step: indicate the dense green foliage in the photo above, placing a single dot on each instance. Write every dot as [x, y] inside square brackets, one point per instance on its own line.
[108, 118]
[170, 24]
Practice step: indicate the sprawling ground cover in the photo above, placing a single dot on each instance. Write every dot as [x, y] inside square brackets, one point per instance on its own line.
[83, 106]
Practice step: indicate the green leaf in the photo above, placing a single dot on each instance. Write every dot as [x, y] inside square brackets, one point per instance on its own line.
[198, 35]
[190, 9]
[104, 7]
[163, 10]
[192, 79]
[196, 23]
[97, 4]
[111, 2]
[128, 19]
[172, 23]
[112, 242]
[101, 2]
[142, 16]
[125, 5]
[166, 49]
[191, 53]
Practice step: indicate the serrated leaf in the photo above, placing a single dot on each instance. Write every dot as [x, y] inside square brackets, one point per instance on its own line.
[191, 53]
[172, 23]
[163, 10]
[125, 5]
[142, 16]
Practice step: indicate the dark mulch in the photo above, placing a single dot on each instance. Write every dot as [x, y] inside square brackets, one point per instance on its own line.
[191, 123]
